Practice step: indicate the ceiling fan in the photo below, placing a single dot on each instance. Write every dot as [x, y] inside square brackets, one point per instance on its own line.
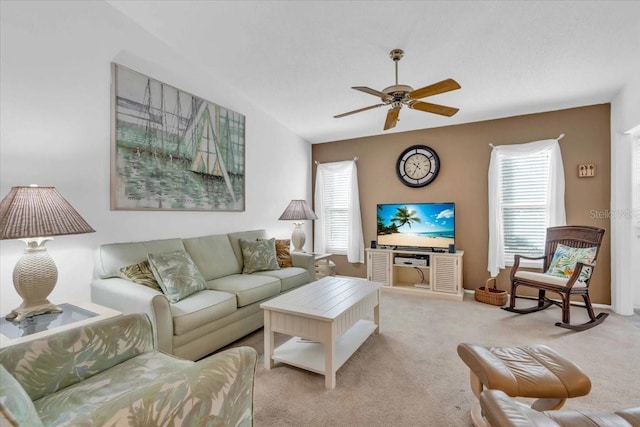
[399, 95]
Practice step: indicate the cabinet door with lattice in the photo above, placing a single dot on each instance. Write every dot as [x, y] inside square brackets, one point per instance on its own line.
[444, 274]
[379, 267]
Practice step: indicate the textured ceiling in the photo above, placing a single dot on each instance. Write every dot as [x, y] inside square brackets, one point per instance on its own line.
[298, 60]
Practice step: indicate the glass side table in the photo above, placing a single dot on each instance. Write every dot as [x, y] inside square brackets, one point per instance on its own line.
[73, 315]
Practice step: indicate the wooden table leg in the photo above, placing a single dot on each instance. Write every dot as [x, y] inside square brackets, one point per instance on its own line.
[329, 357]
[376, 313]
[268, 341]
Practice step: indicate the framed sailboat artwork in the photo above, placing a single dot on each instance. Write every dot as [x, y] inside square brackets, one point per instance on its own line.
[171, 150]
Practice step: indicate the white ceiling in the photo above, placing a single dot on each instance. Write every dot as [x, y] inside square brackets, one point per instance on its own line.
[298, 59]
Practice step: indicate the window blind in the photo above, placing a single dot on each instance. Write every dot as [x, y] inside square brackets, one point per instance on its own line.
[337, 185]
[524, 187]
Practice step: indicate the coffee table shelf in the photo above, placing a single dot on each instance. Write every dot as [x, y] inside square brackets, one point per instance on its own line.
[310, 355]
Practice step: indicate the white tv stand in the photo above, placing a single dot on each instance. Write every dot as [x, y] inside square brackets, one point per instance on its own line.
[441, 276]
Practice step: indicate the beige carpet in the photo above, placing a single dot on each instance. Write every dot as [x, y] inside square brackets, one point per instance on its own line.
[410, 374]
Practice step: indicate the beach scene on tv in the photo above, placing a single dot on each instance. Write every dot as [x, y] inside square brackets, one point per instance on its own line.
[419, 225]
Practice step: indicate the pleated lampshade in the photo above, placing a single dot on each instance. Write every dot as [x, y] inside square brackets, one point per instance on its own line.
[38, 212]
[298, 210]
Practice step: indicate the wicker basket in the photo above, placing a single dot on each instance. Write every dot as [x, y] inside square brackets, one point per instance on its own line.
[491, 295]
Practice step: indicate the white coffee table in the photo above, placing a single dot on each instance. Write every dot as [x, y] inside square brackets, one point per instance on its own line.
[326, 319]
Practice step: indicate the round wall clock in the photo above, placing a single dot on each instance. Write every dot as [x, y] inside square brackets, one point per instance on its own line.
[417, 166]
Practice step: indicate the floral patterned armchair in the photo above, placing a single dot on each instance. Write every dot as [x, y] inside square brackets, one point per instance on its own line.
[108, 373]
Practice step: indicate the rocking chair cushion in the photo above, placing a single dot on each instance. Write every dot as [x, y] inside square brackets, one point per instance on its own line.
[546, 278]
[565, 259]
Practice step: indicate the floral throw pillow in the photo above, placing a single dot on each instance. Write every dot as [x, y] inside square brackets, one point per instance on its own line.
[565, 258]
[259, 255]
[141, 274]
[283, 252]
[176, 274]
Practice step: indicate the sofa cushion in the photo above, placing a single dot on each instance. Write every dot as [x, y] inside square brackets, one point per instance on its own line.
[201, 308]
[15, 403]
[290, 278]
[110, 258]
[259, 255]
[176, 274]
[140, 376]
[248, 288]
[141, 274]
[213, 255]
[158, 389]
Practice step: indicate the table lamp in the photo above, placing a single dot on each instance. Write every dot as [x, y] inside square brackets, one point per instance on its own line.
[298, 211]
[33, 214]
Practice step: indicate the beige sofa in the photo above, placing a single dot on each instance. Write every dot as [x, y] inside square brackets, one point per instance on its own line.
[229, 307]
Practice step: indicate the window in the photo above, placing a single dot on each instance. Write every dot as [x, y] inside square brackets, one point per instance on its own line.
[338, 229]
[526, 195]
[335, 199]
[523, 198]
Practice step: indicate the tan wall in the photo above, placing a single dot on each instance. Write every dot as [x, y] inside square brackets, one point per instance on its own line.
[464, 155]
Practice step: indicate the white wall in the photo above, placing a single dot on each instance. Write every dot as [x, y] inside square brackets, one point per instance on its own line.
[54, 130]
[625, 243]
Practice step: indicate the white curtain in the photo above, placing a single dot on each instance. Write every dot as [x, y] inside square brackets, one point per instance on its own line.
[556, 213]
[354, 237]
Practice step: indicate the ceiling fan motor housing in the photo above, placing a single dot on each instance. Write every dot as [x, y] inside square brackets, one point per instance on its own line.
[397, 91]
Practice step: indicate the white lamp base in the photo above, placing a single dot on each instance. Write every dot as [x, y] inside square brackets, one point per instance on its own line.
[34, 277]
[297, 237]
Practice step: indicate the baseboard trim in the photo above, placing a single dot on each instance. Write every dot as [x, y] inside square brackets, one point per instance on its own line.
[595, 305]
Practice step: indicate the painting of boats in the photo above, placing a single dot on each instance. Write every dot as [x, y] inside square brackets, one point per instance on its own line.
[172, 150]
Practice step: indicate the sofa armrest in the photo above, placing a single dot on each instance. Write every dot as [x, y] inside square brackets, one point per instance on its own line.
[305, 260]
[16, 407]
[230, 374]
[128, 297]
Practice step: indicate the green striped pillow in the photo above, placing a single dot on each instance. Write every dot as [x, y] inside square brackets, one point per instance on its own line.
[141, 274]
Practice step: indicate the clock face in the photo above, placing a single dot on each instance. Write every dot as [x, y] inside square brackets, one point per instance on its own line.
[417, 166]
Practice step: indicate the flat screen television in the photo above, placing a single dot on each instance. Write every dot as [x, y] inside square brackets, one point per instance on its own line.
[421, 226]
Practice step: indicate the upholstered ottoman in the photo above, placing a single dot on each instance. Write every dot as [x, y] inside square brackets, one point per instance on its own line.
[533, 371]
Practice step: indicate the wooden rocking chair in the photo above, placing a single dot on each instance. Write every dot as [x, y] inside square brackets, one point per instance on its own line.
[573, 237]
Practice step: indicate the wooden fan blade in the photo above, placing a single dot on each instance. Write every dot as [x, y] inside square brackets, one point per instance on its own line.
[392, 118]
[358, 110]
[433, 108]
[381, 95]
[434, 89]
